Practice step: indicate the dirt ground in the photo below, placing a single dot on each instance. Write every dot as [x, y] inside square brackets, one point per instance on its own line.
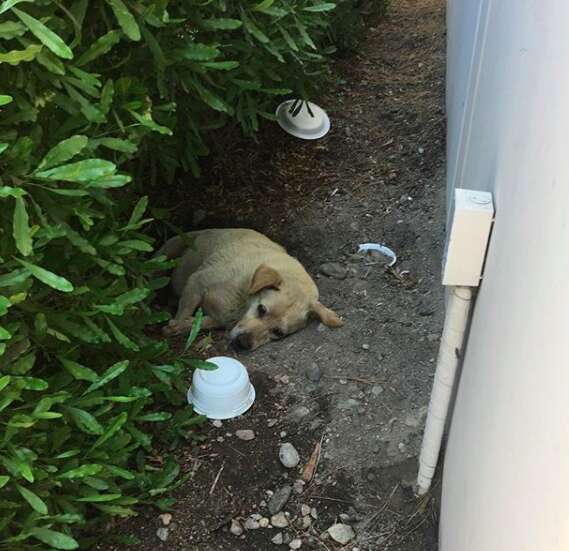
[360, 391]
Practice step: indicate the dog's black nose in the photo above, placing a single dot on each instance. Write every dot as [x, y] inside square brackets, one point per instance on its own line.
[243, 342]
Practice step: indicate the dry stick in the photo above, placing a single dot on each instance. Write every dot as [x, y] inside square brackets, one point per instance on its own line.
[325, 498]
[216, 480]
[237, 451]
[358, 380]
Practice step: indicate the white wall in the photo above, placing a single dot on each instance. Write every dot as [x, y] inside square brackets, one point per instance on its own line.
[506, 471]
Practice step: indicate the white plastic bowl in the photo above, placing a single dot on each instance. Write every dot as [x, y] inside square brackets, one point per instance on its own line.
[303, 125]
[223, 393]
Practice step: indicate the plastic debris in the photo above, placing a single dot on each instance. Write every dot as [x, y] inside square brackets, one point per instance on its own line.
[385, 251]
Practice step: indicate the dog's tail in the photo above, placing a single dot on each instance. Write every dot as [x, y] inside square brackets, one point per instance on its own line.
[173, 248]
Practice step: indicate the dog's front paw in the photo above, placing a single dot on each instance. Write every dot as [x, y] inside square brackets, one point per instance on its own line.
[176, 327]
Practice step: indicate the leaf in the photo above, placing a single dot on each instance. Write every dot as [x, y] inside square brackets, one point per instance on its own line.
[11, 29]
[253, 29]
[200, 364]
[325, 6]
[222, 24]
[85, 421]
[288, 39]
[155, 417]
[196, 326]
[125, 18]
[122, 338]
[124, 146]
[58, 540]
[14, 278]
[45, 35]
[221, 65]
[79, 372]
[137, 245]
[21, 228]
[4, 382]
[36, 503]
[5, 335]
[51, 62]
[115, 426]
[5, 100]
[7, 191]
[264, 5]
[15, 57]
[80, 171]
[101, 46]
[64, 150]
[97, 498]
[149, 123]
[32, 383]
[211, 99]
[47, 277]
[89, 469]
[200, 52]
[4, 480]
[8, 4]
[114, 371]
[138, 211]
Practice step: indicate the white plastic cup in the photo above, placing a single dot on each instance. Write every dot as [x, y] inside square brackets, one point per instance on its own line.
[223, 393]
[303, 125]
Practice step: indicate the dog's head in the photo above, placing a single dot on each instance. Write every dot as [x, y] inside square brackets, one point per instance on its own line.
[276, 308]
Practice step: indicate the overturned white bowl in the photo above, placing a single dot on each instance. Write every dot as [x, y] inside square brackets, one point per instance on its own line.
[303, 125]
[223, 393]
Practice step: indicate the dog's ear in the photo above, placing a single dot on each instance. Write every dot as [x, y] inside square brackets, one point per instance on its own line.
[326, 316]
[264, 278]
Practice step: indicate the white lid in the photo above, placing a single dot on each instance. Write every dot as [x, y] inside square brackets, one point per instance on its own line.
[304, 124]
[223, 393]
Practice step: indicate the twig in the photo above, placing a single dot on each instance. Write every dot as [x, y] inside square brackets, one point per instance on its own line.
[216, 480]
[312, 465]
[358, 380]
[325, 498]
[237, 451]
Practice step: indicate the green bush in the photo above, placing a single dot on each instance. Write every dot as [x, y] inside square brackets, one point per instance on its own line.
[93, 94]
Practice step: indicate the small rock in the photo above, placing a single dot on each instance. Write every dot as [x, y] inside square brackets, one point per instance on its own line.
[165, 518]
[321, 328]
[264, 522]
[365, 346]
[220, 439]
[313, 373]
[246, 434]
[314, 513]
[256, 516]
[334, 270]
[279, 499]
[295, 544]
[217, 424]
[252, 524]
[236, 529]
[305, 510]
[283, 434]
[162, 533]
[299, 413]
[341, 533]
[278, 539]
[305, 523]
[298, 486]
[279, 520]
[263, 503]
[272, 422]
[350, 403]
[402, 447]
[376, 390]
[289, 456]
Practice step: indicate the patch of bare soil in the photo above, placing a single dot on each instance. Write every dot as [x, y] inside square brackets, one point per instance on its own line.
[362, 391]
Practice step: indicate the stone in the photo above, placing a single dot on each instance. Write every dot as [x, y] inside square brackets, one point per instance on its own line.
[365, 346]
[252, 524]
[341, 533]
[236, 529]
[289, 456]
[165, 518]
[162, 533]
[313, 373]
[295, 543]
[272, 422]
[305, 510]
[376, 390]
[314, 513]
[335, 270]
[350, 403]
[279, 520]
[278, 539]
[299, 413]
[245, 434]
[298, 486]
[264, 522]
[279, 499]
[217, 424]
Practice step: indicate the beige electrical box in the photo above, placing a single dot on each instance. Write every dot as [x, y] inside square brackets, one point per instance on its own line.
[468, 236]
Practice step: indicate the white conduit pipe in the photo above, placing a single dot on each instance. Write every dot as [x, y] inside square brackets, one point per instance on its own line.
[456, 320]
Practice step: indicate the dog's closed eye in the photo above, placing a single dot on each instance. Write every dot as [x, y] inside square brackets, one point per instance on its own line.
[261, 310]
[277, 333]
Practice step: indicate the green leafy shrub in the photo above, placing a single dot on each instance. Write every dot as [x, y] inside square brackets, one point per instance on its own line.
[92, 94]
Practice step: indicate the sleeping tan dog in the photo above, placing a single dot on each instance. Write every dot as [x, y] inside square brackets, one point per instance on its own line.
[242, 280]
